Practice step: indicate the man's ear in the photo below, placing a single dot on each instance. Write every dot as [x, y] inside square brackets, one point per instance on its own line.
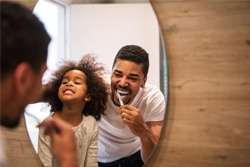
[23, 78]
[144, 81]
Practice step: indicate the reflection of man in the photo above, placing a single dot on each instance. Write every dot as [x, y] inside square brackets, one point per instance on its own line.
[128, 133]
[24, 43]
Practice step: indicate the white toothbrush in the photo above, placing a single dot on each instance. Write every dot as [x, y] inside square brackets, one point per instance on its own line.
[120, 99]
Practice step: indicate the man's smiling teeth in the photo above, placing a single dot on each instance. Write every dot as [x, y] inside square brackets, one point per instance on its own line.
[122, 93]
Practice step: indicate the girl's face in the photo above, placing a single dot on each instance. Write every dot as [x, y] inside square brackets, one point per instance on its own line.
[74, 88]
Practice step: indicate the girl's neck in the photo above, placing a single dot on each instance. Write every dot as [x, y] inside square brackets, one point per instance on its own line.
[73, 117]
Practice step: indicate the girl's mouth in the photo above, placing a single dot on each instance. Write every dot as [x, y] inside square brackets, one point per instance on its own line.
[68, 91]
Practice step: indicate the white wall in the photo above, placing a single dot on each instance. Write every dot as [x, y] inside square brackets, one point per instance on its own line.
[102, 29]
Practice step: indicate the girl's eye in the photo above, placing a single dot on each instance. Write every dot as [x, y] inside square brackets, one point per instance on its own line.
[78, 82]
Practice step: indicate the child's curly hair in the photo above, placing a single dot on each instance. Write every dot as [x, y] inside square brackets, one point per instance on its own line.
[97, 88]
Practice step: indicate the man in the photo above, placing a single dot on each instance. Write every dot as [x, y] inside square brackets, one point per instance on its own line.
[24, 43]
[131, 127]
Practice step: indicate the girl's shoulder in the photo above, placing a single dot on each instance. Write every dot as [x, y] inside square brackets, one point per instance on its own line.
[88, 118]
[88, 121]
[88, 125]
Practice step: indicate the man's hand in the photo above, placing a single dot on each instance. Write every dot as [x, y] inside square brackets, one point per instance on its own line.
[133, 118]
[148, 132]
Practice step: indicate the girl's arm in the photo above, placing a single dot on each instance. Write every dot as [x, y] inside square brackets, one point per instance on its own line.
[91, 157]
[44, 147]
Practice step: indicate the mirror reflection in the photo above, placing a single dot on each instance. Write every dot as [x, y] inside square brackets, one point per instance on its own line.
[102, 30]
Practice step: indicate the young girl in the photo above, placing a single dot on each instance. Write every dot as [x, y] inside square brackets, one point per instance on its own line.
[77, 94]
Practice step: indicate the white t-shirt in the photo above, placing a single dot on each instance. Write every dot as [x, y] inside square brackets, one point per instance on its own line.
[115, 140]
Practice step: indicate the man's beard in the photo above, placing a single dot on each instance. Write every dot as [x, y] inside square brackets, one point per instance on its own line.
[113, 100]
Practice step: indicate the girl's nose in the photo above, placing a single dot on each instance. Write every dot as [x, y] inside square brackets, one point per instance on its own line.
[69, 83]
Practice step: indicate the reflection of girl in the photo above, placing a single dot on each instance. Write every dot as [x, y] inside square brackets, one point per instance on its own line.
[78, 95]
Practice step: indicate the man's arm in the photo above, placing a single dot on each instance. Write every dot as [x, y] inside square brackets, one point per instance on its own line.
[147, 132]
[149, 140]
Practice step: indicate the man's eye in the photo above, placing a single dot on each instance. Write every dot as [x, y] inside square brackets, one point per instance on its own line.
[133, 79]
[118, 75]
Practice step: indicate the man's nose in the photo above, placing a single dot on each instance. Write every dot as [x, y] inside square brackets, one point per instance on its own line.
[123, 81]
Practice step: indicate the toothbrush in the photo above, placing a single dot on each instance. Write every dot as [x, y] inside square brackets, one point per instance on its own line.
[120, 99]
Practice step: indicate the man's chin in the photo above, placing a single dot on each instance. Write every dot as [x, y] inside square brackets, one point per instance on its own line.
[115, 103]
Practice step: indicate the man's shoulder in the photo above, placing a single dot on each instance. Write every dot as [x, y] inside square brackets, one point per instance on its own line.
[152, 92]
[151, 88]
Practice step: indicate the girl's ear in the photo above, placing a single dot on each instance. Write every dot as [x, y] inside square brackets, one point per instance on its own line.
[23, 79]
[87, 98]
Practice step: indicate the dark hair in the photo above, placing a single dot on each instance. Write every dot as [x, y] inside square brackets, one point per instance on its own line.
[135, 54]
[97, 88]
[23, 38]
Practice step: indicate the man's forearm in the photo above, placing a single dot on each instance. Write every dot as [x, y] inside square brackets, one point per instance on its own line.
[148, 142]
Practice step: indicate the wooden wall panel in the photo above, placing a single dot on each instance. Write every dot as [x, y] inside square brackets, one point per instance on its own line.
[28, 3]
[208, 54]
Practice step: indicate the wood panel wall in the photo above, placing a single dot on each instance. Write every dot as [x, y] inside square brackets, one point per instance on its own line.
[28, 3]
[208, 54]
[208, 113]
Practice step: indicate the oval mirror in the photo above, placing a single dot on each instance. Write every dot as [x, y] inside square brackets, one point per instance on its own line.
[101, 27]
